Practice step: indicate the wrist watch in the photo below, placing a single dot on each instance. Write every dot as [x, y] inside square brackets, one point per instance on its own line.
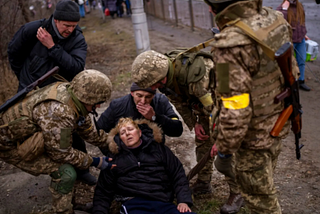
[153, 118]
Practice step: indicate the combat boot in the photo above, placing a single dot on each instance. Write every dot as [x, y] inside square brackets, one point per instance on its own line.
[201, 187]
[233, 205]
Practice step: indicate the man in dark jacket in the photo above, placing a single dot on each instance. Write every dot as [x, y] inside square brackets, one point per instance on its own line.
[40, 45]
[142, 103]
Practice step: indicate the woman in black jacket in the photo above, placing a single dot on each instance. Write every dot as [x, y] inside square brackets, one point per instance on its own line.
[147, 174]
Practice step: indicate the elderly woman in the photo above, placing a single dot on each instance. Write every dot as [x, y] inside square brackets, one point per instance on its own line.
[148, 174]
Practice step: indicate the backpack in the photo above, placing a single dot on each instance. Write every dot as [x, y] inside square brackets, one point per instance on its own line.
[188, 65]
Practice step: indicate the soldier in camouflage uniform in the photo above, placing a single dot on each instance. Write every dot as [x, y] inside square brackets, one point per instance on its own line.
[246, 82]
[35, 133]
[189, 93]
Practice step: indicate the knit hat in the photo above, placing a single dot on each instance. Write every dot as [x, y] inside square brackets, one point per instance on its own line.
[135, 87]
[67, 10]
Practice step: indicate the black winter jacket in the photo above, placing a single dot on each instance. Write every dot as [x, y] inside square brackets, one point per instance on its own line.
[29, 59]
[125, 107]
[155, 173]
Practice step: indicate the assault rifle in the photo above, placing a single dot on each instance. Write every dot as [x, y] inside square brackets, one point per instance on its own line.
[290, 95]
[27, 89]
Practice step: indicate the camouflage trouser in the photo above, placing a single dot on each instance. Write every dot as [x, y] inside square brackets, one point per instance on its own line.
[226, 167]
[254, 174]
[42, 165]
[202, 147]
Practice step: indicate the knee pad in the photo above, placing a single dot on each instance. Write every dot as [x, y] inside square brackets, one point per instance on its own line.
[224, 166]
[64, 179]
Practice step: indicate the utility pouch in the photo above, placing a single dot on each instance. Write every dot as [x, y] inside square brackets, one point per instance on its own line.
[22, 128]
[31, 148]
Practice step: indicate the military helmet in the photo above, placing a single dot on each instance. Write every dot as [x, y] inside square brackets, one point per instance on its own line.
[91, 87]
[149, 68]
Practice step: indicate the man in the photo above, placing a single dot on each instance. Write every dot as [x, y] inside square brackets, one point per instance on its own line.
[40, 45]
[193, 100]
[246, 83]
[142, 103]
[35, 133]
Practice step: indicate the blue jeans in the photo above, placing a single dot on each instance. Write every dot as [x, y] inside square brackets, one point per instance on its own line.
[143, 206]
[81, 10]
[301, 54]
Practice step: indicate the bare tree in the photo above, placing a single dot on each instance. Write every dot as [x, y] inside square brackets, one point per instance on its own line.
[14, 14]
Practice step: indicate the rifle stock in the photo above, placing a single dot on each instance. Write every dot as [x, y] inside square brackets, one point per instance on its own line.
[290, 95]
[10, 102]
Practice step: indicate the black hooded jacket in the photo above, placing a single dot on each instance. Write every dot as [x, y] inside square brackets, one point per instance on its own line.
[155, 173]
[29, 59]
[125, 107]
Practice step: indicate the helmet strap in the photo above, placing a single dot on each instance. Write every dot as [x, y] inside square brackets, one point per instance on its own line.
[80, 107]
[95, 114]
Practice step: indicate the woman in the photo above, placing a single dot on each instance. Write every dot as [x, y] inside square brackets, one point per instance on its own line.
[294, 13]
[148, 174]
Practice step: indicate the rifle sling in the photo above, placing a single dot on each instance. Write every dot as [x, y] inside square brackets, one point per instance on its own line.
[249, 32]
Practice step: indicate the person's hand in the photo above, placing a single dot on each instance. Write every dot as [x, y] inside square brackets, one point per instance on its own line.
[214, 151]
[200, 133]
[285, 5]
[306, 37]
[45, 38]
[183, 207]
[146, 110]
[103, 163]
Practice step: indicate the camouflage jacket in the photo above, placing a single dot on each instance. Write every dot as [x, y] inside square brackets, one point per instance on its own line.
[188, 102]
[52, 111]
[246, 79]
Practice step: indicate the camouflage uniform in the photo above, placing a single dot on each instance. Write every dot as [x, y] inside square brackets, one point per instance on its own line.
[191, 110]
[47, 117]
[246, 83]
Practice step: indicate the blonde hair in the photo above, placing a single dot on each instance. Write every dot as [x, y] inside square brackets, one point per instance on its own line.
[127, 120]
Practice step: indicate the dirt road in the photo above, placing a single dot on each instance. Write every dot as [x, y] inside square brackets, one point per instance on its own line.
[112, 50]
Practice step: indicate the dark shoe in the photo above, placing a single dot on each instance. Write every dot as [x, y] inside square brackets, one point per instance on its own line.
[84, 207]
[87, 178]
[201, 187]
[303, 86]
[233, 205]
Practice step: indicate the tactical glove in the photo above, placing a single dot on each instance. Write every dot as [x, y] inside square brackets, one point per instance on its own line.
[102, 163]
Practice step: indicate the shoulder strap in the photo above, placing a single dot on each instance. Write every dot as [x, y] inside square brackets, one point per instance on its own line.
[249, 32]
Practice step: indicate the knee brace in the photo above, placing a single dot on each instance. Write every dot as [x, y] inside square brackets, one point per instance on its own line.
[224, 166]
[63, 179]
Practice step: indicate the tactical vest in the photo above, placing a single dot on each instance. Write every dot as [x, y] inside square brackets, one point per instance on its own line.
[19, 118]
[270, 27]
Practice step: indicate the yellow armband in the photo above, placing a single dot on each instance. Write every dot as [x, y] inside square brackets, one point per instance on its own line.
[206, 100]
[174, 118]
[236, 102]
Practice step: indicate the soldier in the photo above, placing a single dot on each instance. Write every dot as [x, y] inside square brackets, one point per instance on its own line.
[246, 82]
[40, 45]
[194, 102]
[36, 133]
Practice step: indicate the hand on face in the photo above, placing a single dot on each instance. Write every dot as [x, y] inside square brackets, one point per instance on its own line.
[45, 38]
[146, 110]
